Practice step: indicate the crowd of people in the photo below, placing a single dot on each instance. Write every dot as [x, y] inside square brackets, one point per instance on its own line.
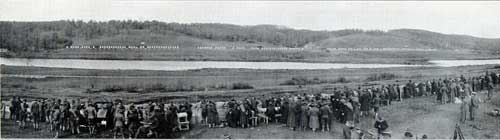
[348, 105]
[301, 112]
[72, 116]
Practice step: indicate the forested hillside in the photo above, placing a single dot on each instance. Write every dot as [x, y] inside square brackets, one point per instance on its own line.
[37, 36]
[409, 38]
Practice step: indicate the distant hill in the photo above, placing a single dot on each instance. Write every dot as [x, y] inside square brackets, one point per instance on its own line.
[36, 36]
[408, 38]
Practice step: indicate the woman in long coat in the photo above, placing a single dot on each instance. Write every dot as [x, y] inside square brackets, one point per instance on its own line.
[314, 117]
[211, 115]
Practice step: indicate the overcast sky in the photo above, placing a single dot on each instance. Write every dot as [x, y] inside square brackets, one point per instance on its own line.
[480, 19]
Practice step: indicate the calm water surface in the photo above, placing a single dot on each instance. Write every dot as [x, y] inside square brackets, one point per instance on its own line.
[190, 65]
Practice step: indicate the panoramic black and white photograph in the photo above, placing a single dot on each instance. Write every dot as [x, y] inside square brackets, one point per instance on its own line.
[167, 69]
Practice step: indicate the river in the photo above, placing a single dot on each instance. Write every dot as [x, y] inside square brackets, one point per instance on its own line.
[191, 65]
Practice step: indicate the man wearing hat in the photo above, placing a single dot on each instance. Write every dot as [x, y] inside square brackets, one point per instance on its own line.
[463, 109]
[474, 103]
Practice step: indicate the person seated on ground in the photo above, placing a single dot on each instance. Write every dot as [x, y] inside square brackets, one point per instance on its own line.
[381, 126]
[145, 131]
[408, 134]
[347, 129]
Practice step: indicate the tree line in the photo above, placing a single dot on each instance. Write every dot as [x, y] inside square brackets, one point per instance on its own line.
[39, 36]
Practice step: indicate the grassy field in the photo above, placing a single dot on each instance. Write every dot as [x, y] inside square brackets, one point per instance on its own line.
[139, 85]
[309, 55]
[422, 115]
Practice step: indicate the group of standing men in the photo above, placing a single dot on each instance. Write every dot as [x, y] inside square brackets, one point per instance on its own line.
[298, 112]
[149, 120]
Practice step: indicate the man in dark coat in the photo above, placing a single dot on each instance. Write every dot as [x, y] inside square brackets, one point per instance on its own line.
[304, 110]
[298, 114]
[365, 103]
[291, 117]
[325, 117]
[16, 108]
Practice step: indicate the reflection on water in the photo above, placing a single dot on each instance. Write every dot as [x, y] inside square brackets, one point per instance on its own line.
[189, 65]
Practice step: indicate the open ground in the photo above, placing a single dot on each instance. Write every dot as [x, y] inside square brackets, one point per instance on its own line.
[421, 115]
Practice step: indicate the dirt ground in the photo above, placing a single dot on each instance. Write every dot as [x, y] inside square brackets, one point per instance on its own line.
[419, 115]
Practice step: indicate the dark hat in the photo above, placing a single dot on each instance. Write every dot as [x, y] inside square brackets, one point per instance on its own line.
[408, 134]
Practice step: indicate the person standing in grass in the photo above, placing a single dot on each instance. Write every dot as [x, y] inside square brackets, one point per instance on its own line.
[91, 117]
[23, 114]
[325, 117]
[291, 117]
[56, 120]
[132, 120]
[463, 109]
[489, 88]
[313, 117]
[35, 114]
[16, 107]
[304, 110]
[473, 105]
[74, 118]
[119, 120]
[211, 115]
[365, 103]
[243, 115]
